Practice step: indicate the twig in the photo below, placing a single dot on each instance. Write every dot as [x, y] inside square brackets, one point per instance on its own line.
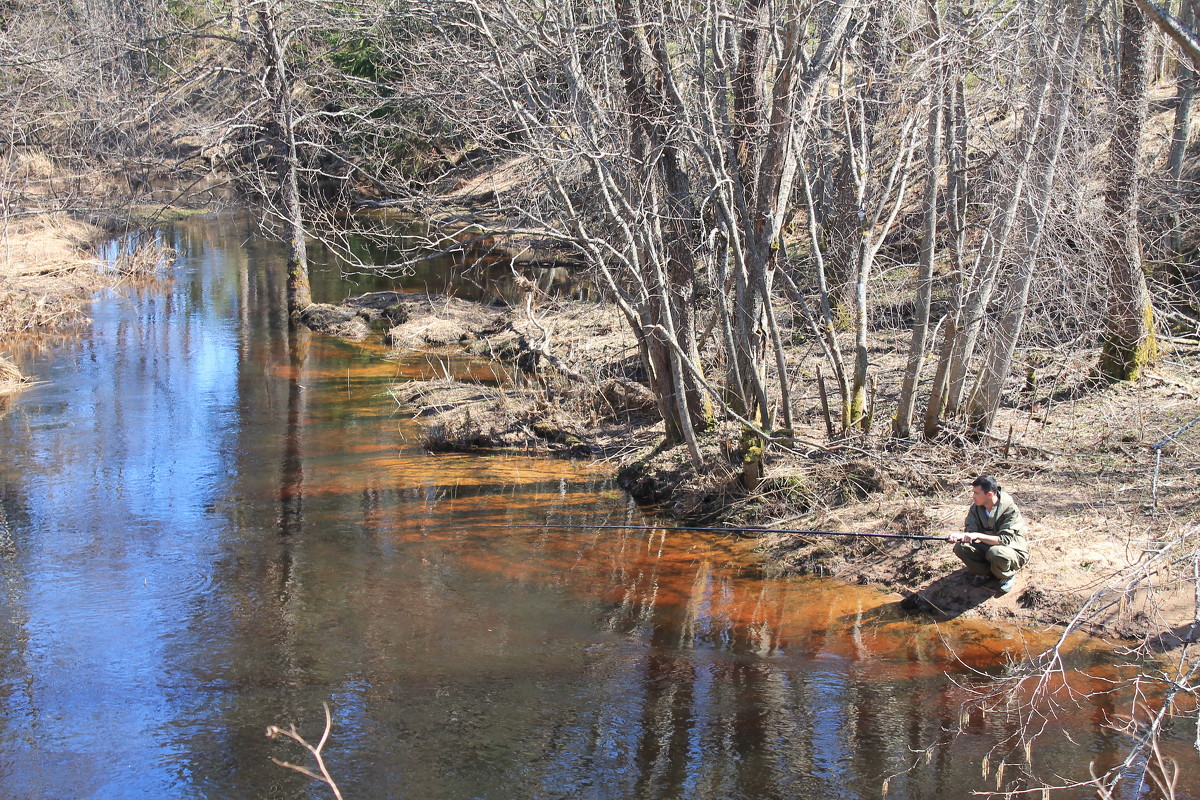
[1157, 448]
[274, 731]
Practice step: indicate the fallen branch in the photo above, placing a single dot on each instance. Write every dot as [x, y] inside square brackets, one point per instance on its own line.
[323, 776]
[542, 350]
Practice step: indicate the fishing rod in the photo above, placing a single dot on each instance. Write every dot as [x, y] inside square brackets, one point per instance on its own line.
[730, 530]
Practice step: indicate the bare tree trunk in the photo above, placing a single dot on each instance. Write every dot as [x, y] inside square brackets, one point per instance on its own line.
[901, 425]
[767, 190]
[1129, 343]
[957, 130]
[874, 232]
[1181, 135]
[669, 312]
[978, 294]
[958, 127]
[299, 293]
[981, 280]
[1178, 28]
[872, 179]
[824, 326]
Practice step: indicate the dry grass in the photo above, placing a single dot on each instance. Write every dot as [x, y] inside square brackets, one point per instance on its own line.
[46, 272]
[46, 275]
[39, 243]
[143, 260]
[10, 377]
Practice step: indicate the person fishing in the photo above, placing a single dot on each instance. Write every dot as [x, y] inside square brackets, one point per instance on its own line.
[993, 543]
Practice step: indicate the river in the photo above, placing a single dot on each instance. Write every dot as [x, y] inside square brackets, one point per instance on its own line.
[210, 523]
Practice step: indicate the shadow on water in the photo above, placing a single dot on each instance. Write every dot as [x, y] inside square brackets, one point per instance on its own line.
[210, 523]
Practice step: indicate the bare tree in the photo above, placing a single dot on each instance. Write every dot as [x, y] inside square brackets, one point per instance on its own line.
[957, 128]
[77, 86]
[901, 425]
[978, 278]
[1187, 79]
[1056, 70]
[287, 98]
[1129, 341]
[1181, 28]
[687, 133]
[877, 140]
[282, 131]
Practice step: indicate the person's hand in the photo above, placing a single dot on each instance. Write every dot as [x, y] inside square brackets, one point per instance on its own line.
[960, 537]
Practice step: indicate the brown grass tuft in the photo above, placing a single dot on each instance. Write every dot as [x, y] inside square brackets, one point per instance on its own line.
[45, 271]
[10, 377]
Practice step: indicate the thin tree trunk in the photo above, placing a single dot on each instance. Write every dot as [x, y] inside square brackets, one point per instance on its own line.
[1186, 79]
[957, 157]
[1129, 343]
[299, 292]
[937, 392]
[901, 425]
[986, 273]
[825, 327]
[873, 237]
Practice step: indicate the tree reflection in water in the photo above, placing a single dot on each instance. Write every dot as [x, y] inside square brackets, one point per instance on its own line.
[214, 524]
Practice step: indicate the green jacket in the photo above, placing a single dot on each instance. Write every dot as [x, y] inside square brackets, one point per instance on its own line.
[1006, 523]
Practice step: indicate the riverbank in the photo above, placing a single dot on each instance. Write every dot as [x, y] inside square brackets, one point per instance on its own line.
[50, 270]
[1078, 457]
[50, 262]
[1079, 460]
[47, 275]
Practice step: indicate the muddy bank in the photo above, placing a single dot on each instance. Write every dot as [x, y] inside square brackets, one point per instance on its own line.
[461, 417]
[1080, 479]
[575, 390]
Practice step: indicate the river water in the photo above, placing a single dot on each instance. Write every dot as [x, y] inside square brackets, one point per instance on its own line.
[210, 524]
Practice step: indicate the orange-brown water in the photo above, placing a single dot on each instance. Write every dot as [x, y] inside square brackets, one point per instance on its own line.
[212, 523]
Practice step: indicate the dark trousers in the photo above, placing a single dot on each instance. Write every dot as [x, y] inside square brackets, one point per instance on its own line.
[995, 560]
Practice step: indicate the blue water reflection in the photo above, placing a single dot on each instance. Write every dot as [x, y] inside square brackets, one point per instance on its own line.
[210, 522]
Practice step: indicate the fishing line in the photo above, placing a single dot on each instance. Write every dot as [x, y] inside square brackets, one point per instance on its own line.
[729, 530]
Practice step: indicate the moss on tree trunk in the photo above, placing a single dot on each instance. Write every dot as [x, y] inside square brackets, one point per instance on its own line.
[1123, 359]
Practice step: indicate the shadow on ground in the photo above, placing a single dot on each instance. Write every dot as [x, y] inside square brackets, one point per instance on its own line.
[949, 596]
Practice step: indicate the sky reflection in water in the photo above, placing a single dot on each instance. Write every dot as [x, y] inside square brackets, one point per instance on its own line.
[211, 523]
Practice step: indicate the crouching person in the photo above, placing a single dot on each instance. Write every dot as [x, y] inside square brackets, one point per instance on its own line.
[993, 544]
